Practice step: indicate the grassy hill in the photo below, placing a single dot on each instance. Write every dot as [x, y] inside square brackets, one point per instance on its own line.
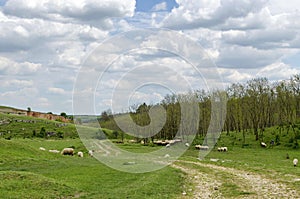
[40, 174]
[19, 126]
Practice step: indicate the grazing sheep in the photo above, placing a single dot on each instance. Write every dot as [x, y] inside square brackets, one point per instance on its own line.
[187, 144]
[223, 149]
[80, 154]
[91, 153]
[53, 151]
[67, 151]
[204, 148]
[295, 162]
[264, 145]
[42, 149]
[168, 145]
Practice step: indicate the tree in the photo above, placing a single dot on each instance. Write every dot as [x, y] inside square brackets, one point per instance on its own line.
[28, 109]
[63, 114]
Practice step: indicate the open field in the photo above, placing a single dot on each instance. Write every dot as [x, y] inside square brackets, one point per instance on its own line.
[246, 171]
[28, 172]
[40, 174]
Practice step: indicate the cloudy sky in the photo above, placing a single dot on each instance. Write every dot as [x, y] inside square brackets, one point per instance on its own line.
[45, 43]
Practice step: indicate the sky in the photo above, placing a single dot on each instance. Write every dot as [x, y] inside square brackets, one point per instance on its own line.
[45, 44]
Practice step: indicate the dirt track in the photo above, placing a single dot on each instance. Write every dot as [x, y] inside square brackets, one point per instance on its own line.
[250, 185]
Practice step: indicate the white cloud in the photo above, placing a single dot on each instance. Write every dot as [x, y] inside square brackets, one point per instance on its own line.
[44, 42]
[160, 7]
[193, 14]
[280, 6]
[233, 76]
[10, 67]
[54, 90]
[97, 12]
[277, 71]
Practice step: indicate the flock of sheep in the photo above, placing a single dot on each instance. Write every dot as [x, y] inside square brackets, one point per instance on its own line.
[69, 151]
[225, 149]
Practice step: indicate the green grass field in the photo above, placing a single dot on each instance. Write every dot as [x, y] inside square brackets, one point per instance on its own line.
[27, 172]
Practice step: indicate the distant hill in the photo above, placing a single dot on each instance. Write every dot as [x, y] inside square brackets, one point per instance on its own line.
[11, 110]
[48, 116]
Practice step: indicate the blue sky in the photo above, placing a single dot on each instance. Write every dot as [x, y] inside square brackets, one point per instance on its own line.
[43, 45]
[146, 5]
[2, 2]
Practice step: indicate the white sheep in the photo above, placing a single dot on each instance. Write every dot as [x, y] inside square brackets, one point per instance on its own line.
[53, 151]
[42, 149]
[168, 145]
[295, 162]
[264, 145]
[80, 154]
[187, 144]
[223, 149]
[91, 153]
[204, 148]
[67, 151]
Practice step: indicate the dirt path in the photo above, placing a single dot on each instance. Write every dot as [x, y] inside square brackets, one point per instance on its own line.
[209, 185]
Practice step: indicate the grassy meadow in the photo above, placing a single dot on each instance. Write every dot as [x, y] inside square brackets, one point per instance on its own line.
[28, 172]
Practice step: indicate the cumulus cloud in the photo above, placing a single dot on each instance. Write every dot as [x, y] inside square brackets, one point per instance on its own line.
[205, 13]
[26, 34]
[44, 42]
[97, 12]
[10, 67]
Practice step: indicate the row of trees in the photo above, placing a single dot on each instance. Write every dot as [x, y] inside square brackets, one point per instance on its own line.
[253, 105]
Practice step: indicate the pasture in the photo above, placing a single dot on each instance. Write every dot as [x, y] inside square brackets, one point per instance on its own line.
[27, 172]
[246, 170]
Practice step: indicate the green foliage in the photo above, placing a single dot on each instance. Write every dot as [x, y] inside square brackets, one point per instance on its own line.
[63, 114]
[42, 133]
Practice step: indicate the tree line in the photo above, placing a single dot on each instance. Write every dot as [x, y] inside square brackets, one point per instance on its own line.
[250, 107]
